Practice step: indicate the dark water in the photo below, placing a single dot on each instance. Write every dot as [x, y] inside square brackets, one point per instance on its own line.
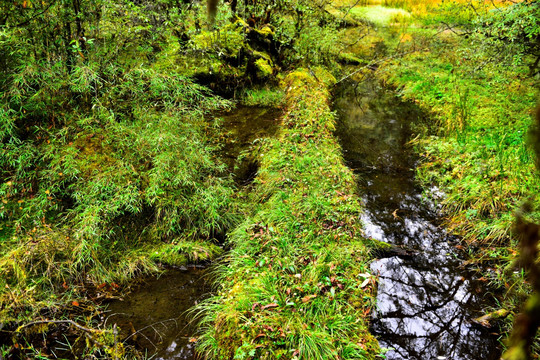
[245, 126]
[154, 315]
[425, 301]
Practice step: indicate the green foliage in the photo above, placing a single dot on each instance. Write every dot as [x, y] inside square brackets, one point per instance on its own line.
[107, 164]
[379, 15]
[480, 157]
[271, 97]
[479, 89]
[513, 33]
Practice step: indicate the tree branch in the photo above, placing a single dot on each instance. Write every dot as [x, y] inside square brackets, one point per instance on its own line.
[70, 322]
[35, 16]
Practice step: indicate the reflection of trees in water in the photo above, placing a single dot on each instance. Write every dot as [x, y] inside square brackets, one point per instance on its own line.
[424, 303]
[422, 312]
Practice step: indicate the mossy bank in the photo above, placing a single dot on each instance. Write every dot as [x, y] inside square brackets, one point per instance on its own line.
[296, 284]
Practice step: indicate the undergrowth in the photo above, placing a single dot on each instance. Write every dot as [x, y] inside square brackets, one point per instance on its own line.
[103, 181]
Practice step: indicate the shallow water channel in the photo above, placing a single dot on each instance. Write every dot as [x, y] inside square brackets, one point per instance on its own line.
[154, 317]
[425, 302]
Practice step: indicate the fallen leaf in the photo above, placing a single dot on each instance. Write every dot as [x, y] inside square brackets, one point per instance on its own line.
[364, 283]
[269, 306]
[306, 298]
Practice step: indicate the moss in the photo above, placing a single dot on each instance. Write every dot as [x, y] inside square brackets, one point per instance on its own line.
[265, 96]
[351, 59]
[229, 40]
[182, 252]
[264, 69]
[291, 285]
[265, 31]
[379, 245]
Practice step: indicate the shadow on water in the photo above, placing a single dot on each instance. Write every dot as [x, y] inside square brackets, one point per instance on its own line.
[155, 317]
[425, 302]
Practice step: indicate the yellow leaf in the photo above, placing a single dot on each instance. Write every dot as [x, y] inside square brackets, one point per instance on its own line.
[364, 283]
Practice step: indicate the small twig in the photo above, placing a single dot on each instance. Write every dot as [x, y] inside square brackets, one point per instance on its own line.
[36, 15]
[376, 62]
[495, 6]
[454, 31]
[313, 74]
[151, 326]
[115, 333]
[349, 10]
[474, 9]
[71, 322]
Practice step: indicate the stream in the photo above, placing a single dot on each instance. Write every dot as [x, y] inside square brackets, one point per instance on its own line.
[425, 301]
[154, 315]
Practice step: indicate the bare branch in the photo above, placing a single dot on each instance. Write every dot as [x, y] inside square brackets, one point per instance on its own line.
[372, 63]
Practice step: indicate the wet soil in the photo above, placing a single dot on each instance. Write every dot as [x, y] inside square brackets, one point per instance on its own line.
[425, 301]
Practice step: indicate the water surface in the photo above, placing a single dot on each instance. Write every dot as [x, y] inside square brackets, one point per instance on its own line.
[425, 300]
[155, 317]
[244, 126]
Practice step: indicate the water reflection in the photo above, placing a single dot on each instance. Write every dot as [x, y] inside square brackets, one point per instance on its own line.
[244, 126]
[153, 316]
[425, 302]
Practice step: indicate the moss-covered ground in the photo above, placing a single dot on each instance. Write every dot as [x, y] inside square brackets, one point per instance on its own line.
[296, 284]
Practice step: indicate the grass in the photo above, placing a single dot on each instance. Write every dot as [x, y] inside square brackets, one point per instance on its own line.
[101, 196]
[380, 15]
[479, 155]
[264, 96]
[290, 288]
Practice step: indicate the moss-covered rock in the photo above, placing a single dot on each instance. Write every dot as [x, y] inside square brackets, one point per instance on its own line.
[264, 69]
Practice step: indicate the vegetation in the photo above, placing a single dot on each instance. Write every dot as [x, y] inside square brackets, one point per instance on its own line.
[474, 66]
[110, 165]
[297, 282]
[109, 162]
